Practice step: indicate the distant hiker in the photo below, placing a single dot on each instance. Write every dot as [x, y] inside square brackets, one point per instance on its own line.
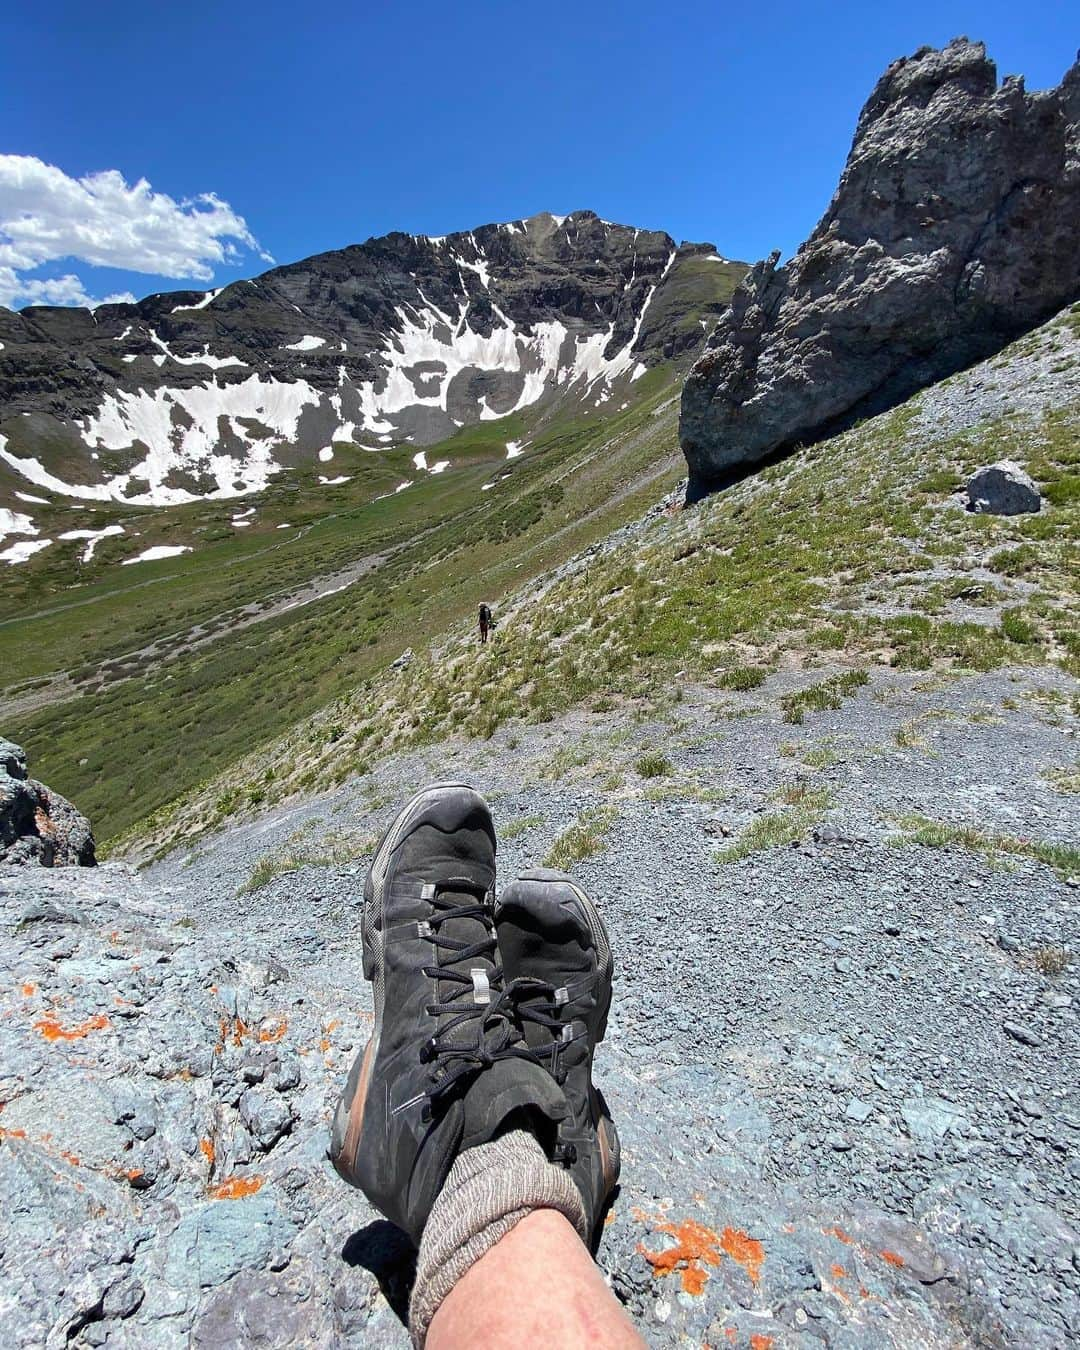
[486, 623]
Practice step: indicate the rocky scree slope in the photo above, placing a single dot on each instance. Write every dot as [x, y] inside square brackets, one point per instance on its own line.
[952, 230]
[401, 339]
[844, 1068]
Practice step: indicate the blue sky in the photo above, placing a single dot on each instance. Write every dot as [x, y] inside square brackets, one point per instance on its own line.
[319, 125]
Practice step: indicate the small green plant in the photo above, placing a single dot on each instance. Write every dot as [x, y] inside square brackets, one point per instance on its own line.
[520, 825]
[830, 693]
[743, 678]
[820, 756]
[582, 839]
[652, 764]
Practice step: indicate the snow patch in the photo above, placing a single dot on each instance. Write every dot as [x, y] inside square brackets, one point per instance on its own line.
[158, 551]
[26, 497]
[330, 482]
[15, 522]
[200, 304]
[93, 537]
[513, 449]
[326, 454]
[18, 553]
[438, 468]
[205, 359]
[420, 459]
[308, 343]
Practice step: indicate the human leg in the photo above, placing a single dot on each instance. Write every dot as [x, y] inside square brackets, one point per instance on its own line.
[537, 1286]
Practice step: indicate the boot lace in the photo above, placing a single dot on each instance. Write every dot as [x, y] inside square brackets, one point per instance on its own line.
[478, 999]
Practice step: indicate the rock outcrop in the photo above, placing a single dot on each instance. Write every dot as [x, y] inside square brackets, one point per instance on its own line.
[953, 230]
[37, 825]
[1002, 489]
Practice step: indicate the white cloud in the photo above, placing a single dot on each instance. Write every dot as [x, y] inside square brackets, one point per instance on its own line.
[65, 290]
[101, 219]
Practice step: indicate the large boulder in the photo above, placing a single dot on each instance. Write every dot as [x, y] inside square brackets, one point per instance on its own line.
[36, 824]
[1002, 489]
[953, 229]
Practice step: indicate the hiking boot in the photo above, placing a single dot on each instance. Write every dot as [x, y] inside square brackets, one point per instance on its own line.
[557, 963]
[444, 1068]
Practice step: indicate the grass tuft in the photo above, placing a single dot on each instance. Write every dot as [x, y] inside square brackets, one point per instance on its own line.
[830, 693]
[929, 833]
[584, 838]
[652, 764]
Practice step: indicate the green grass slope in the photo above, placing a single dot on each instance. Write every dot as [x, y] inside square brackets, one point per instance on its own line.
[156, 727]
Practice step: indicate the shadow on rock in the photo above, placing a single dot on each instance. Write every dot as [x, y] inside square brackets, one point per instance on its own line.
[384, 1250]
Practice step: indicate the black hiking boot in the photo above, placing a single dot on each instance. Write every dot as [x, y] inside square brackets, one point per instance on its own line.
[557, 963]
[444, 1069]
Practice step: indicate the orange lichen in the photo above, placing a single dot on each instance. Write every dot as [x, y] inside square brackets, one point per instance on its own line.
[609, 1218]
[51, 1029]
[208, 1150]
[694, 1243]
[72, 1158]
[759, 1341]
[730, 1333]
[748, 1252]
[273, 1029]
[838, 1272]
[12, 1134]
[893, 1258]
[133, 1173]
[236, 1188]
[29, 989]
[839, 1234]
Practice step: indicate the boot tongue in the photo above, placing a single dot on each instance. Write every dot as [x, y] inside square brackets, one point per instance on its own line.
[467, 932]
[507, 1086]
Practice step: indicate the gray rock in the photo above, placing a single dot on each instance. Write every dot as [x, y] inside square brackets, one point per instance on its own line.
[953, 230]
[220, 1239]
[932, 1118]
[266, 1115]
[1002, 489]
[1024, 1034]
[37, 825]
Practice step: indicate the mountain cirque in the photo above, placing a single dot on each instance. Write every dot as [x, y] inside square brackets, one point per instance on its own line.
[403, 338]
[953, 230]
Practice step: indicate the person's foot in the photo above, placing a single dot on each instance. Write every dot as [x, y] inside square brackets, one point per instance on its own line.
[443, 1070]
[557, 964]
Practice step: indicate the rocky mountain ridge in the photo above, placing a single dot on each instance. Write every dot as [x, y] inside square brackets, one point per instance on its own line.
[952, 231]
[401, 339]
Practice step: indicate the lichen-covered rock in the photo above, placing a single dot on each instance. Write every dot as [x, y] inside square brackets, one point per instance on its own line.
[36, 824]
[1002, 489]
[952, 230]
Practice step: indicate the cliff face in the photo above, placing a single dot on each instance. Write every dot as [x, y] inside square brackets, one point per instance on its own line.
[953, 229]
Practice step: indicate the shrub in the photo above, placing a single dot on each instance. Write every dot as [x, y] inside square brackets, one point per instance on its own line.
[743, 678]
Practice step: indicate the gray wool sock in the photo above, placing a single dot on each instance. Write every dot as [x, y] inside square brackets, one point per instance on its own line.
[490, 1188]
